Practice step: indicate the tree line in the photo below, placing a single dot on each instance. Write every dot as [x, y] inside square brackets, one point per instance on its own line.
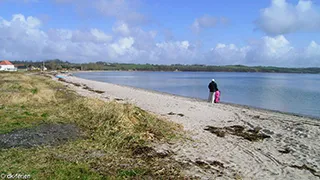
[57, 64]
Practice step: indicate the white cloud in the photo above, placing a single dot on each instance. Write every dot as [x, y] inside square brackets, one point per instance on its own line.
[272, 51]
[313, 49]
[22, 38]
[206, 21]
[282, 17]
[121, 28]
[100, 36]
[312, 54]
[276, 47]
[143, 39]
[30, 21]
[268, 51]
[228, 54]
[123, 45]
[172, 52]
[168, 46]
[94, 36]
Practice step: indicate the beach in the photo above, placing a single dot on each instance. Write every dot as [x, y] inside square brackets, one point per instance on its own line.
[225, 141]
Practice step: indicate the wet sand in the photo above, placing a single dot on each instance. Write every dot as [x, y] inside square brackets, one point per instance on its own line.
[223, 142]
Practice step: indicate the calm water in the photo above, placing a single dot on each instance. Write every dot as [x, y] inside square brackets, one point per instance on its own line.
[296, 93]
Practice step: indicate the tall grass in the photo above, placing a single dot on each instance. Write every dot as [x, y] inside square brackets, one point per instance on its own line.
[112, 133]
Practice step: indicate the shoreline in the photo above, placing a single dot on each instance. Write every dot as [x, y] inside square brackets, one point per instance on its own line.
[202, 100]
[290, 150]
[191, 71]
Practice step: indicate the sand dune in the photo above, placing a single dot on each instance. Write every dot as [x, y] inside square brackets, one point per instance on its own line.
[290, 148]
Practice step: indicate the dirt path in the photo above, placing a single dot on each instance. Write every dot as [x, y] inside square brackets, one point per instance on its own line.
[290, 151]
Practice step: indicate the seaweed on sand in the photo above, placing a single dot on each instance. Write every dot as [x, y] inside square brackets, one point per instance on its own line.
[98, 91]
[93, 90]
[179, 114]
[305, 167]
[237, 130]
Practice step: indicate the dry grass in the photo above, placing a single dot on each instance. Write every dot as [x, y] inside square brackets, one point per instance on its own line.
[113, 131]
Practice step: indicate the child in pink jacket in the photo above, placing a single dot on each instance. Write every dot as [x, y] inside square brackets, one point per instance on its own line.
[217, 96]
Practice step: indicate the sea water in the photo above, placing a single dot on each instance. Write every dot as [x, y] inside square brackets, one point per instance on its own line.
[293, 93]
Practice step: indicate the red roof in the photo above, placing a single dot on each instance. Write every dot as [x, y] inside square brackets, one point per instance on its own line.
[6, 62]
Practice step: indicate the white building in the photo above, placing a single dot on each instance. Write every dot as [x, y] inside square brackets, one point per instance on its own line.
[43, 68]
[7, 66]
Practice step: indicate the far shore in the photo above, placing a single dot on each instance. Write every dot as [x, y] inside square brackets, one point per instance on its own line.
[187, 71]
[290, 150]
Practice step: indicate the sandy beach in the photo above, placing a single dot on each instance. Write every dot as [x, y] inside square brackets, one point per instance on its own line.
[289, 147]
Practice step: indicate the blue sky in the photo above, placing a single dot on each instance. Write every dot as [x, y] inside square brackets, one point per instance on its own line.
[264, 32]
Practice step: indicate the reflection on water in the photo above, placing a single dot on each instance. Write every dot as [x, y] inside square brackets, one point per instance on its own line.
[297, 93]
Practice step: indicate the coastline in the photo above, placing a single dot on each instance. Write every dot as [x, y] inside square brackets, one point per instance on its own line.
[292, 146]
[80, 71]
[202, 100]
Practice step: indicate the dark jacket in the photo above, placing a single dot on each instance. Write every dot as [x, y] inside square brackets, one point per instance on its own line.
[213, 87]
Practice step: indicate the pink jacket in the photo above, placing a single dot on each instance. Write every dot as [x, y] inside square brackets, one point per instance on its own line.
[217, 97]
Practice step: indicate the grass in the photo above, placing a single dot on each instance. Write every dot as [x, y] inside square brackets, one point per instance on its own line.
[112, 132]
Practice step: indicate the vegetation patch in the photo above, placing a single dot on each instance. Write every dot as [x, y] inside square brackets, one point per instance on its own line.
[113, 142]
[46, 134]
[237, 130]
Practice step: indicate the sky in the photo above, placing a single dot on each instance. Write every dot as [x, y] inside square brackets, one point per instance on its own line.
[214, 32]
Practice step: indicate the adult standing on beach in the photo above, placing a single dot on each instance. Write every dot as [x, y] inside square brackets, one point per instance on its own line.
[213, 87]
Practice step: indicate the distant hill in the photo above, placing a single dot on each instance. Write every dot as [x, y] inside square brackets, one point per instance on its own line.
[57, 64]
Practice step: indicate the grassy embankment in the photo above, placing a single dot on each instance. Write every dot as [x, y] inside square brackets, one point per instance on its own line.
[114, 140]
